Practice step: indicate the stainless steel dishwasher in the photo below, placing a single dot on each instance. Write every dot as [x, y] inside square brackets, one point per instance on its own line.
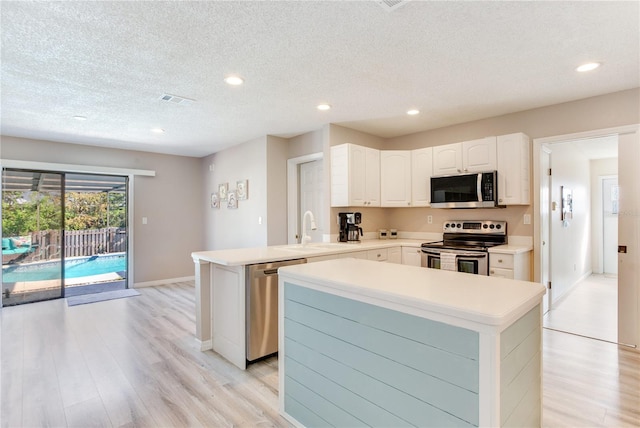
[262, 307]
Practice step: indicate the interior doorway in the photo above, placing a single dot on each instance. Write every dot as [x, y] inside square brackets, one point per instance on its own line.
[311, 189]
[305, 191]
[584, 297]
[64, 234]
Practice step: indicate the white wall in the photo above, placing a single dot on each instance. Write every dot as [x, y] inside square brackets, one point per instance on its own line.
[260, 220]
[570, 243]
[599, 168]
[170, 201]
[226, 228]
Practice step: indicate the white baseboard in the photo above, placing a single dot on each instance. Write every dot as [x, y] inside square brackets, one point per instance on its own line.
[206, 345]
[163, 282]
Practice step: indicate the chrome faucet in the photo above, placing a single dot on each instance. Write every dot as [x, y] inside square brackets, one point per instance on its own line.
[306, 238]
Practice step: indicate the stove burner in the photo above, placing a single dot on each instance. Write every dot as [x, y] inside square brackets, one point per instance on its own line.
[471, 235]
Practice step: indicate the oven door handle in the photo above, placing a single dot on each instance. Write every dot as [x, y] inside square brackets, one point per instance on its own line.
[457, 253]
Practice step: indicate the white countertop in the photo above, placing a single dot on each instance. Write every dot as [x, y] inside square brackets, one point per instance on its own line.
[510, 249]
[249, 256]
[480, 299]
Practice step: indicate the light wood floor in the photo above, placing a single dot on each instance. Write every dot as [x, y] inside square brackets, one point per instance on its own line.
[134, 362]
[590, 309]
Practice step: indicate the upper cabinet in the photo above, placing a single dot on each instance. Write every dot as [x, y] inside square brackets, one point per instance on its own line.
[355, 176]
[468, 156]
[366, 177]
[421, 172]
[395, 178]
[513, 169]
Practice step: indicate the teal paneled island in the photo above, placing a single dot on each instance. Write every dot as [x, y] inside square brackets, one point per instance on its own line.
[376, 344]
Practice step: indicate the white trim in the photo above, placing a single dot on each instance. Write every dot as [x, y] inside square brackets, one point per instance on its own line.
[63, 167]
[292, 192]
[204, 345]
[163, 281]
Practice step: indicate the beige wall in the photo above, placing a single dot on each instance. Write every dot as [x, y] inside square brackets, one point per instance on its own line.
[170, 201]
[277, 154]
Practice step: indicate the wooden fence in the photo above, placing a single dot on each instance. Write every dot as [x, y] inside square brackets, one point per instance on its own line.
[78, 242]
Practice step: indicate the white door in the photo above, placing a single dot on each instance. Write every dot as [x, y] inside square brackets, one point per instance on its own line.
[447, 159]
[545, 218]
[395, 178]
[610, 193]
[311, 196]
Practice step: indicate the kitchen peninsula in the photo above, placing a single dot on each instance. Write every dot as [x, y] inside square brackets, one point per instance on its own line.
[378, 344]
[221, 278]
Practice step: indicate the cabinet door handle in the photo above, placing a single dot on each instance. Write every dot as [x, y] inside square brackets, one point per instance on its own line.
[499, 260]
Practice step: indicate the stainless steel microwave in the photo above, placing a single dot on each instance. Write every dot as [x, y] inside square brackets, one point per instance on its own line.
[477, 190]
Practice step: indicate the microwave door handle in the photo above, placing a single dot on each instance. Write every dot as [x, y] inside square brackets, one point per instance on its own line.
[479, 189]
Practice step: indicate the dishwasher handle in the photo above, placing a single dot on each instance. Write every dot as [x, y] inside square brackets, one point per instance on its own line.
[267, 272]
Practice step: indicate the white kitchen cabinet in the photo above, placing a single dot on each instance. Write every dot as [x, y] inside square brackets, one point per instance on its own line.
[355, 176]
[469, 156]
[380, 255]
[513, 169]
[479, 155]
[395, 178]
[394, 255]
[512, 266]
[421, 171]
[411, 256]
[447, 159]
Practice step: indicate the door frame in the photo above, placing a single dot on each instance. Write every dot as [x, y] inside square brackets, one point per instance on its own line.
[538, 144]
[293, 183]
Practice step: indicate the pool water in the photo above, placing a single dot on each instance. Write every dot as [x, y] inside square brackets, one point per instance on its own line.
[73, 268]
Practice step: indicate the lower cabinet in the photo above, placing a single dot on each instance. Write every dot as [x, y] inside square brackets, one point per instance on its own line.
[511, 266]
[411, 256]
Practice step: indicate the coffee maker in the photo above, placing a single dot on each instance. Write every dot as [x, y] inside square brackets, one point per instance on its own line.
[349, 229]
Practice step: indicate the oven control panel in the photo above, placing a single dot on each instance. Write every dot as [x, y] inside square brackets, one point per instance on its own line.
[471, 226]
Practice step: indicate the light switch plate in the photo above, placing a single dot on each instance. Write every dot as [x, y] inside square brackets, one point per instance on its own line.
[527, 219]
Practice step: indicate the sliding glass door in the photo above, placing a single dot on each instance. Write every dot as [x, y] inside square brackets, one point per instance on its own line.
[32, 236]
[64, 234]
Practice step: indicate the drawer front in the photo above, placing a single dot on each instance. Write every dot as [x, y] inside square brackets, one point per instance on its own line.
[501, 261]
[379, 255]
[501, 273]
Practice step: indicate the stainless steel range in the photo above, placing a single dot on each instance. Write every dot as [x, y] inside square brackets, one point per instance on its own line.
[465, 246]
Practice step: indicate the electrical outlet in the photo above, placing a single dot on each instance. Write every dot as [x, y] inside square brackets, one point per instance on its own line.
[259, 219]
[429, 219]
[144, 220]
[527, 219]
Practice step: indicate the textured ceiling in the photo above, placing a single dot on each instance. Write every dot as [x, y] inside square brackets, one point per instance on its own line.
[455, 61]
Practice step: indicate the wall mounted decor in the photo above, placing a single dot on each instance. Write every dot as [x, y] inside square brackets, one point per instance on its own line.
[223, 188]
[232, 199]
[242, 190]
[215, 200]
[567, 204]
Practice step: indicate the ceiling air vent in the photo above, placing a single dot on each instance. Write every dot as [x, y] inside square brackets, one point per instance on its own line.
[176, 99]
[391, 5]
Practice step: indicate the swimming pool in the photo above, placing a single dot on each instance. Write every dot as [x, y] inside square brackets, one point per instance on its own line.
[75, 267]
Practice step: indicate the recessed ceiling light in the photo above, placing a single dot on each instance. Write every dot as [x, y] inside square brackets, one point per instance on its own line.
[588, 66]
[80, 117]
[234, 80]
[413, 112]
[157, 130]
[324, 106]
